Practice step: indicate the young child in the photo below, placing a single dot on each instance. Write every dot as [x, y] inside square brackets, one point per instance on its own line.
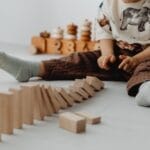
[124, 32]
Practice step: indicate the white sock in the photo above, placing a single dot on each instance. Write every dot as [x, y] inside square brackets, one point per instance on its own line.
[143, 96]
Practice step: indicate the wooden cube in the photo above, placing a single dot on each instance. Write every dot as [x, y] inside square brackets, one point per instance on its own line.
[90, 119]
[6, 113]
[54, 46]
[95, 82]
[91, 45]
[68, 47]
[72, 122]
[39, 43]
[17, 107]
[82, 46]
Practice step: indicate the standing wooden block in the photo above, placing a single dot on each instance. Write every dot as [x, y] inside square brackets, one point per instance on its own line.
[68, 47]
[95, 82]
[39, 43]
[85, 86]
[77, 98]
[72, 122]
[64, 94]
[91, 45]
[90, 119]
[27, 104]
[54, 46]
[80, 91]
[17, 107]
[47, 105]
[60, 99]
[6, 113]
[53, 100]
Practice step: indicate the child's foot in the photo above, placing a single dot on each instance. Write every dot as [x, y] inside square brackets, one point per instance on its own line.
[20, 69]
[143, 96]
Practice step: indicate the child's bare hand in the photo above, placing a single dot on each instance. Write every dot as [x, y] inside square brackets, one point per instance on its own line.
[105, 61]
[128, 63]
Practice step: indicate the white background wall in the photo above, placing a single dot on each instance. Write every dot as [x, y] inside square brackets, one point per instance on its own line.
[20, 19]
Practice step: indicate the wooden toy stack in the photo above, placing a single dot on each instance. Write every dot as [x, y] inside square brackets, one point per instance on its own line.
[34, 101]
[57, 43]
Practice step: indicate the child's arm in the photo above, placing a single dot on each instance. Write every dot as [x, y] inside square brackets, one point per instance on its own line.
[107, 54]
[129, 63]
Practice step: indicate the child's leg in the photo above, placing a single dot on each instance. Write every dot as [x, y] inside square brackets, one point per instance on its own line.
[20, 69]
[139, 84]
[79, 65]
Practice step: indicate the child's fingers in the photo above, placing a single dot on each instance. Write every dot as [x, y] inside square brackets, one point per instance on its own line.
[105, 63]
[123, 63]
[112, 59]
[122, 57]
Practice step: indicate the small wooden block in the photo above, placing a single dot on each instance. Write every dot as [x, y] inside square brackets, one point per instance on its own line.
[27, 104]
[46, 99]
[72, 122]
[60, 99]
[91, 45]
[90, 119]
[80, 91]
[85, 86]
[95, 82]
[54, 46]
[17, 107]
[6, 113]
[68, 47]
[53, 100]
[39, 43]
[77, 98]
[64, 94]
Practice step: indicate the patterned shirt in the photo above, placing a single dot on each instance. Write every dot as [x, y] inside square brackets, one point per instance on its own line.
[127, 23]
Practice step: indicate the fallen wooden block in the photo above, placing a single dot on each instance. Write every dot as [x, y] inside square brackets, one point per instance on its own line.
[53, 100]
[72, 122]
[80, 91]
[85, 86]
[90, 119]
[60, 99]
[64, 94]
[6, 113]
[47, 105]
[17, 107]
[95, 83]
[77, 98]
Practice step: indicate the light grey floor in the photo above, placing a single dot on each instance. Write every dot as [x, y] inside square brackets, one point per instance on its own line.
[125, 126]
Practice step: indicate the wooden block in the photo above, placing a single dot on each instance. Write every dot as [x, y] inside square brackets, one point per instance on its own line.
[64, 94]
[82, 46]
[80, 91]
[46, 99]
[17, 107]
[95, 82]
[27, 96]
[39, 43]
[97, 46]
[91, 45]
[68, 47]
[77, 98]
[6, 113]
[53, 100]
[85, 86]
[90, 119]
[72, 122]
[53, 46]
[60, 99]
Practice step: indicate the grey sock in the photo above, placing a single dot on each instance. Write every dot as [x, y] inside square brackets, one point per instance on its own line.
[22, 70]
[143, 96]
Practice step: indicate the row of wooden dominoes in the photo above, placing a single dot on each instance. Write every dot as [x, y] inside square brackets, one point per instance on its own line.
[61, 46]
[33, 101]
